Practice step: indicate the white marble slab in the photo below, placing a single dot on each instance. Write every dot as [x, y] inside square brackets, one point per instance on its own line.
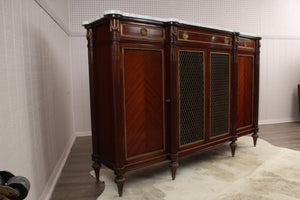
[119, 12]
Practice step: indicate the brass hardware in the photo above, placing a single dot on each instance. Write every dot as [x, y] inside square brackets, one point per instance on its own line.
[173, 31]
[245, 44]
[88, 34]
[226, 40]
[168, 100]
[236, 40]
[114, 26]
[185, 35]
[144, 32]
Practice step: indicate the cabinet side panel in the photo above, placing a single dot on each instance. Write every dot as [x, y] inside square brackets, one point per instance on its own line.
[245, 91]
[103, 101]
[143, 74]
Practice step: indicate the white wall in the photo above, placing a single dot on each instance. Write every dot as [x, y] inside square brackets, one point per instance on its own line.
[80, 82]
[36, 118]
[58, 10]
[278, 21]
[44, 92]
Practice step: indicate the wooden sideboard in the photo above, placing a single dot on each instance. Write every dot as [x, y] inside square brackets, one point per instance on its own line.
[161, 90]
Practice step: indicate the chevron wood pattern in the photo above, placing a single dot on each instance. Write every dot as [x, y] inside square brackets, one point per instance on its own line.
[245, 84]
[143, 97]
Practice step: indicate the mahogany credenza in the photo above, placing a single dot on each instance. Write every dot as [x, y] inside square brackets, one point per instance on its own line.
[163, 89]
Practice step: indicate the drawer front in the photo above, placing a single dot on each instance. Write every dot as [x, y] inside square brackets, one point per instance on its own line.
[203, 37]
[142, 32]
[246, 43]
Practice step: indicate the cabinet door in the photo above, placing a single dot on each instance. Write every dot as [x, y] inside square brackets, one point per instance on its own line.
[219, 93]
[245, 91]
[191, 96]
[143, 72]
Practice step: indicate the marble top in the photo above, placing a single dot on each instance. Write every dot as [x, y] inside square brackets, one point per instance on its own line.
[119, 12]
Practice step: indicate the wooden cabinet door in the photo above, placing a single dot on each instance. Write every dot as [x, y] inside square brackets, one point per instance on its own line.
[143, 76]
[245, 91]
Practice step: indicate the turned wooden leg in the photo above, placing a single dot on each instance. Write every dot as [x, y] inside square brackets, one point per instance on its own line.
[255, 136]
[96, 166]
[233, 146]
[120, 182]
[174, 165]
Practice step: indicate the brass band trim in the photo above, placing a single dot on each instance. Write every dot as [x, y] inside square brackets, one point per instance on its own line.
[163, 103]
[244, 127]
[205, 144]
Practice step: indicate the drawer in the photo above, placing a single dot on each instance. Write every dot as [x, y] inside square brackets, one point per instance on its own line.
[142, 31]
[204, 37]
[246, 43]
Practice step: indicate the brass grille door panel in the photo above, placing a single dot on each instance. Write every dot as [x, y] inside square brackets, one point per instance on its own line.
[191, 96]
[220, 93]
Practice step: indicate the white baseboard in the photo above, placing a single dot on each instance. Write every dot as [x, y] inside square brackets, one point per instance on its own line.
[277, 121]
[48, 189]
[83, 133]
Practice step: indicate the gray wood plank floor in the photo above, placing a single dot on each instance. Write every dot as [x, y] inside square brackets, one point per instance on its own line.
[75, 183]
[283, 135]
